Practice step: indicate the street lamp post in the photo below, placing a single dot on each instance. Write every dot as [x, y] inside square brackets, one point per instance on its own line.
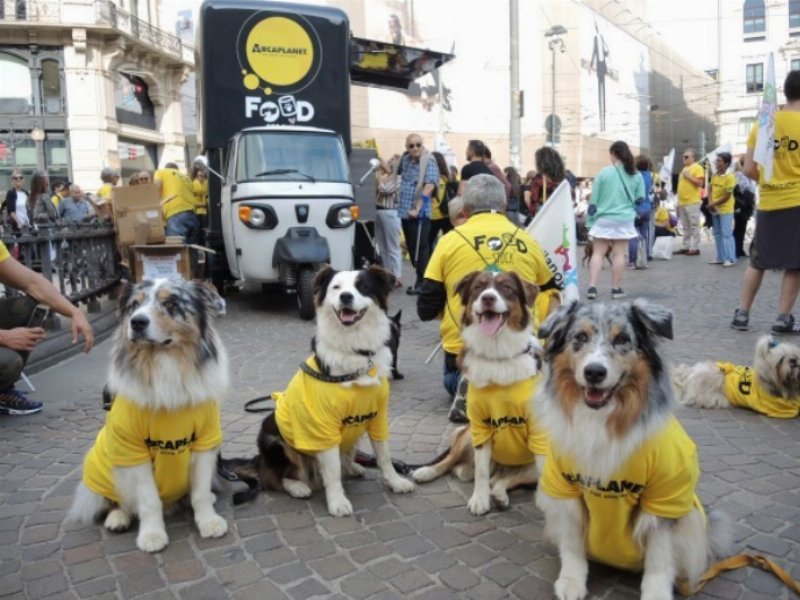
[555, 33]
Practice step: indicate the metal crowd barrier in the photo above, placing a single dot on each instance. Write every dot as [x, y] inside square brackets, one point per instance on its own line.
[80, 259]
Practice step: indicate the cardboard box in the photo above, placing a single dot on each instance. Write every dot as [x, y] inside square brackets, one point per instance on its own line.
[137, 215]
[155, 261]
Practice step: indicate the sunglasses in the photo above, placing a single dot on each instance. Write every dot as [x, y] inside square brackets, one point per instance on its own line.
[414, 146]
[17, 178]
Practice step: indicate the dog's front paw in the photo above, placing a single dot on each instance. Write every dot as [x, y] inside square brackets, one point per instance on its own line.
[340, 506]
[397, 374]
[213, 527]
[117, 520]
[479, 504]
[656, 587]
[153, 540]
[400, 485]
[570, 589]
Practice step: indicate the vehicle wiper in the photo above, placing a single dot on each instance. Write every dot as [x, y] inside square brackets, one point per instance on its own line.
[286, 172]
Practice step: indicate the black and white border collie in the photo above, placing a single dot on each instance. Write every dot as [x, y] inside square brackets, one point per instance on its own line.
[350, 352]
[166, 357]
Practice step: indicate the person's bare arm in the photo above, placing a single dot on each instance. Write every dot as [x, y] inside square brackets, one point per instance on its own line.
[16, 220]
[16, 275]
[750, 167]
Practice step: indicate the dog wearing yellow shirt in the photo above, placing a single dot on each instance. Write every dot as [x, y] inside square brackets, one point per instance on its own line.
[339, 393]
[619, 481]
[168, 374]
[503, 447]
[770, 387]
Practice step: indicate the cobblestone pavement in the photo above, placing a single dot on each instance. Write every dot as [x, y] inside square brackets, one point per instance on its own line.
[424, 545]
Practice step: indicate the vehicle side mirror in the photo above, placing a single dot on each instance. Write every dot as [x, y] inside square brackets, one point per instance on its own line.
[374, 163]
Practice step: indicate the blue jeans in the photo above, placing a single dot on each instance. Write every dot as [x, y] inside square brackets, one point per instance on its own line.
[185, 224]
[723, 236]
[644, 233]
[451, 374]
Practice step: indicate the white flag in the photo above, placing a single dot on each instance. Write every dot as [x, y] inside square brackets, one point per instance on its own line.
[764, 150]
[554, 229]
[712, 156]
[666, 169]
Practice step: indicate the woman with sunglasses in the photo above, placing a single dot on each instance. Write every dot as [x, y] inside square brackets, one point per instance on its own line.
[16, 202]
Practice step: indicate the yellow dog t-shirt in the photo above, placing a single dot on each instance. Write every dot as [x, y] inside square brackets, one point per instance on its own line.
[134, 435]
[743, 388]
[502, 413]
[314, 415]
[660, 477]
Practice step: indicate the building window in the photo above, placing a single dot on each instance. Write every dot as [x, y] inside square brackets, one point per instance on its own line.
[794, 14]
[137, 156]
[754, 16]
[795, 64]
[16, 93]
[51, 87]
[132, 100]
[745, 125]
[755, 78]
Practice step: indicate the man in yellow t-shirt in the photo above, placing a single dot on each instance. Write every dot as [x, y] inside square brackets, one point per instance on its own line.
[721, 207]
[315, 415]
[18, 335]
[776, 243]
[659, 478]
[690, 181]
[134, 435]
[177, 203]
[488, 241]
[102, 203]
[743, 388]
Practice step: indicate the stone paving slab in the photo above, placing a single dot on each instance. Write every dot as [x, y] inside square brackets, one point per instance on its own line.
[425, 545]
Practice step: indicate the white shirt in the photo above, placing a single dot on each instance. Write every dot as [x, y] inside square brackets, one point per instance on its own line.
[22, 208]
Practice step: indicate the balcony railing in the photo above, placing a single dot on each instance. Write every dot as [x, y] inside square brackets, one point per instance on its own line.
[108, 12]
[100, 12]
[81, 260]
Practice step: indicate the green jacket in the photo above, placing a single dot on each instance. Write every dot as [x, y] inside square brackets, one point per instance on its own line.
[608, 194]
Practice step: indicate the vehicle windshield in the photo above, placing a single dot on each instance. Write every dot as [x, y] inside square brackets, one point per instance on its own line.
[297, 156]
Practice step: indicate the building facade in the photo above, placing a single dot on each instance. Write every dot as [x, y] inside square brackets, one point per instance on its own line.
[749, 32]
[88, 84]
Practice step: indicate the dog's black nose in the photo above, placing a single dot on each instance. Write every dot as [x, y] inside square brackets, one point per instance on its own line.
[595, 373]
[488, 300]
[346, 298]
[139, 323]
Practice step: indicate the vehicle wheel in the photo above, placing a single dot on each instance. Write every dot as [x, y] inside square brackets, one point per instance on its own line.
[305, 293]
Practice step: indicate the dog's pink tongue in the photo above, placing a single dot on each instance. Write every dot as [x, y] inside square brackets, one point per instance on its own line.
[593, 396]
[347, 316]
[490, 323]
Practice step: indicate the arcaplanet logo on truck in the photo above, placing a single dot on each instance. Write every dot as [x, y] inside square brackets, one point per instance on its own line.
[278, 54]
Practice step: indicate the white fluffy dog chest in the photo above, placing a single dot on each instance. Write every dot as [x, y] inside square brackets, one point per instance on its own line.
[501, 360]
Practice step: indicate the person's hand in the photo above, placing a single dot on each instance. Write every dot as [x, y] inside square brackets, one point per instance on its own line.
[80, 326]
[413, 213]
[22, 339]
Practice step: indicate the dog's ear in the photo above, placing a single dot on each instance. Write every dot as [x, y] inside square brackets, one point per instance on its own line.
[383, 277]
[555, 327]
[654, 318]
[529, 290]
[125, 293]
[464, 285]
[206, 294]
[321, 281]
[396, 318]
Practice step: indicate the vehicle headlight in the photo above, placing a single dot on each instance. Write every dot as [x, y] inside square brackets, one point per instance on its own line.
[257, 217]
[344, 216]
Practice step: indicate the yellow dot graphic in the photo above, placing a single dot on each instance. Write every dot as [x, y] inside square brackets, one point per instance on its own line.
[251, 81]
[267, 91]
[244, 72]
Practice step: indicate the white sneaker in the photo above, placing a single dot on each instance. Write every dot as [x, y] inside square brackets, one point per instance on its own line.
[729, 263]
[715, 262]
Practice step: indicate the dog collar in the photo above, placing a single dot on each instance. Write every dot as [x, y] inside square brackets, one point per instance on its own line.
[323, 376]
